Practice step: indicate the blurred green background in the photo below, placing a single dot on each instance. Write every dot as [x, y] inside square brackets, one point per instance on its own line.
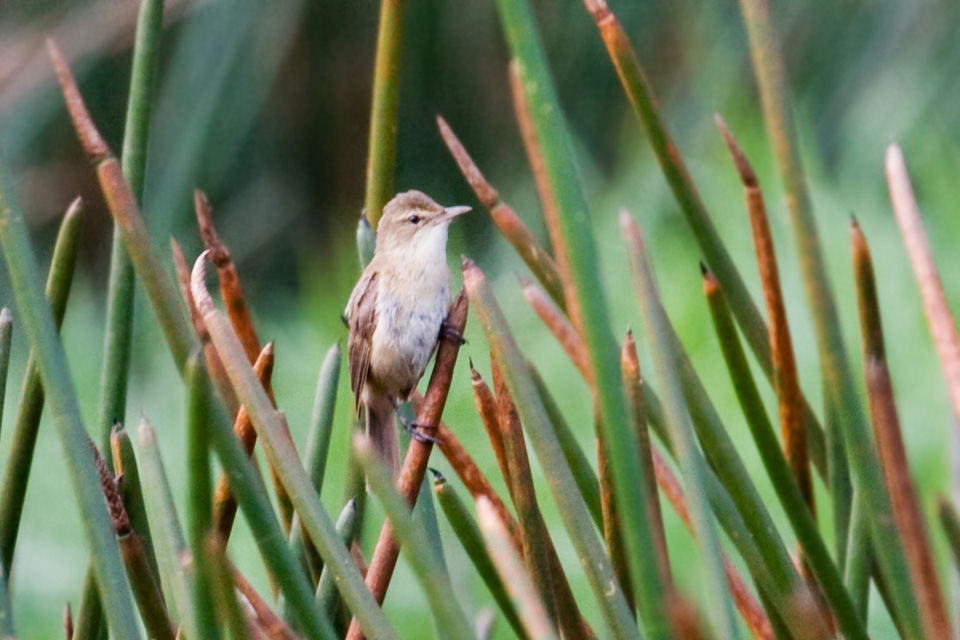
[265, 106]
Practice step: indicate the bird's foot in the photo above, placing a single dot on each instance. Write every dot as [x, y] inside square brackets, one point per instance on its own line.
[419, 432]
[451, 333]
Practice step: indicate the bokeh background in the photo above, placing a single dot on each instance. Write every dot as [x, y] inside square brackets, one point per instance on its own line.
[265, 106]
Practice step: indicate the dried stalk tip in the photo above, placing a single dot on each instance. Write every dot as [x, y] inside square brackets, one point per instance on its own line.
[90, 139]
[747, 176]
[67, 622]
[485, 192]
[198, 285]
[219, 255]
[118, 513]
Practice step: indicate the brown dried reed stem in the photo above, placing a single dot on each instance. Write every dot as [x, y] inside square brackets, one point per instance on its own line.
[536, 257]
[387, 550]
[550, 216]
[533, 530]
[224, 502]
[893, 456]
[67, 622]
[749, 609]
[942, 324]
[789, 399]
[560, 327]
[487, 408]
[633, 381]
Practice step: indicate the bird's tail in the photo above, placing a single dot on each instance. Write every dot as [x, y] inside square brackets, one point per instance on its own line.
[383, 432]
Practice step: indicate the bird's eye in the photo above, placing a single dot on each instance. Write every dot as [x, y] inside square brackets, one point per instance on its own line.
[413, 219]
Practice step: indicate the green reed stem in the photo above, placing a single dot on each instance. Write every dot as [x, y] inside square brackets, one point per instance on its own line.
[856, 573]
[576, 229]
[327, 595]
[784, 482]
[131, 491]
[424, 560]
[228, 610]
[950, 521]
[120, 289]
[6, 335]
[27, 421]
[533, 415]
[41, 331]
[382, 145]
[470, 538]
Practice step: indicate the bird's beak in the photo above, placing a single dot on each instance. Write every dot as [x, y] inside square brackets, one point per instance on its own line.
[450, 213]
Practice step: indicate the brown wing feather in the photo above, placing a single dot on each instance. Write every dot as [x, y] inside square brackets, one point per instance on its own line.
[362, 317]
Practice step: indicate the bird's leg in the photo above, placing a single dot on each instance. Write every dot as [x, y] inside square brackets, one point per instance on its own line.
[451, 333]
[416, 430]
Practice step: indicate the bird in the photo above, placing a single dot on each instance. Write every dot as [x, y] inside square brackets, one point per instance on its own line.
[396, 314]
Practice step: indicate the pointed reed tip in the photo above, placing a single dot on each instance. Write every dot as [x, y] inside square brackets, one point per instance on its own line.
[198, 286]
[703, 268]
[438, 479]
[90, 139]
[364, 222]
[269, 349]
[466, 263]
[5, 315]
[740, 162]
[75, 208]
[116, 429]
[442, 123]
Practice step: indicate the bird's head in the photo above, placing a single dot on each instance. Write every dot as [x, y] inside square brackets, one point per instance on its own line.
[413, 219]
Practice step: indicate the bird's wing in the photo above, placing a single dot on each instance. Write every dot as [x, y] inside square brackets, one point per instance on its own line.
[362, 318]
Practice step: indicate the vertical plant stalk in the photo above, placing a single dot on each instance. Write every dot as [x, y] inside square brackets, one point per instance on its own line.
[382, 144]
[519, 584]
[536, 257]
[551, 217]
[235, 304]
[950, 521]
[678, 178]
[533, 530]
[784, 364]
[385, 553]
[23, 441]
[572, 507]
[224, 502]
[778, 469]
[691, 459]
[131, 492]
[856, 573]
[282, 455]
[612, 526]
[6, 334]
[840, 392]
[893, 456]
[562, 329]
[943, 328]
[217, 373]
[633, 383]
[327, 598]
[120, 289]
[750, 611]
[470, 538]
[487, 408]
[145, 584]
[225, 601]
[424, 560]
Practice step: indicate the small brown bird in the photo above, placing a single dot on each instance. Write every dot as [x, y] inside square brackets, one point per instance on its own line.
[396, 312]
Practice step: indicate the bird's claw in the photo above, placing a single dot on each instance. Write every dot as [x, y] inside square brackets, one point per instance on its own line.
[451, 333]
[419, 433]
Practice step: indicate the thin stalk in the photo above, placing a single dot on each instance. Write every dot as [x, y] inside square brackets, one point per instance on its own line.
[414, 467]
[470, 538]
[562, 329]
[685, 442]
[6, 334]
[856, 574]
[228, 610]
[41, 332]
[326, 597]
[318, 446]
[529, 607]
[89, 622]
[893, 455]
[171, 547]
[784, 364]
[943, 328]
[533, 530]
[633, 383]
[424, 560]
[489, 416]
[382, 144]
[16, 473]
[224, 502]
[117, 339]
[200, 499]
[131, 492]
[273, 626]
[536, 257]
[612, 526]
[283, 457]
[950, 521]
[6, 609]
[840, 391]
[577, 460]
[778, 468]
[572, 507]
[678, 178]
[712, 434]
